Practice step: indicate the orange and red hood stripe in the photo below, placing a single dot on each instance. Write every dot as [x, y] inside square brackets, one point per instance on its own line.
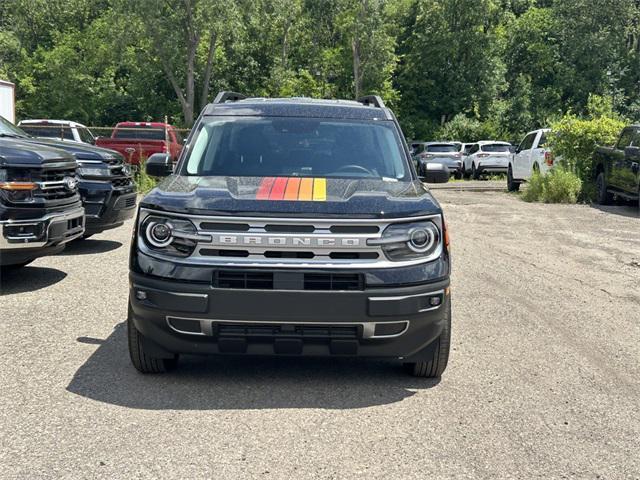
[293, 189]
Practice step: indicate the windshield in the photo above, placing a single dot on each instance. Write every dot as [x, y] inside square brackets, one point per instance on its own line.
[8, 129]
[496, 148]
[284, 146]
[443, 148]
[50, 131]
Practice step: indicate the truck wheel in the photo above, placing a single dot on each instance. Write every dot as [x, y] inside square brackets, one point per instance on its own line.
[474, 172]
[434, 367]
[512, 185]
[144, 362]
[603, 197]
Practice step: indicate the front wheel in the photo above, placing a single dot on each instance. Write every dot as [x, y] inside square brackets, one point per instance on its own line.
[512, 185]
[474, 172]
[603, 195]
[437, 364]
[141, 359]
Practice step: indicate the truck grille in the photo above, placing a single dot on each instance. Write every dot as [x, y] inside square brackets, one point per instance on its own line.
[53, 183]
[299, 243]
[256, 280]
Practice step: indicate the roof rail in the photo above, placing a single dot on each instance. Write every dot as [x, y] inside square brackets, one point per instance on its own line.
[372, 101]
[223, 97]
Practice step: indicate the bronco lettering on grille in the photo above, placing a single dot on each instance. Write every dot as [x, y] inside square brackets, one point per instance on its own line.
[286, 241]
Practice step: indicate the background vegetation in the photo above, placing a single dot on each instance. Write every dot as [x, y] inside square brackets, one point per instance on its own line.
[460, 69]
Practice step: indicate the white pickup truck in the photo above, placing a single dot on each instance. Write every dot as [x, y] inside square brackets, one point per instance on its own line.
[532, 156]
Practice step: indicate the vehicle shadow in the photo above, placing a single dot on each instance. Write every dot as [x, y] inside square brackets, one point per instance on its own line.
[238, 383]
[89, 246]
[624, 209]
[28, 279]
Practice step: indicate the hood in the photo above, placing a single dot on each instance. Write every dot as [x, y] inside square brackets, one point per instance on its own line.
[17, 152]
[81, 151]
[295, 196]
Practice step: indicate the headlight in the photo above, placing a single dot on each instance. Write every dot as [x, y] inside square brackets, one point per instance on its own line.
[92, 171]
[410, 241]
[170, 236]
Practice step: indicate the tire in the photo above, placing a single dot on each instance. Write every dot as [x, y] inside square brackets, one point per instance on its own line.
[435, 367]
[466, 175]
[142, 361]
[474, 172]
[603, 197]
[536, 169]
[512, 185]
[457, 176]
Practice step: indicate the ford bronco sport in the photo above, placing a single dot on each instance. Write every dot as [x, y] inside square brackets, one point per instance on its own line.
[291, 227]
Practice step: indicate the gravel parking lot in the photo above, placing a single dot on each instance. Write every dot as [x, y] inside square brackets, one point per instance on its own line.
[542, 383]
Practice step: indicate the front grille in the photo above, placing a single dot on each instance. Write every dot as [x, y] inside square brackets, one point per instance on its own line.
[244, 280]
[333, 281]
[52, 183]
[121, 182]
[301, 331]
[301, 243]
[256, 280]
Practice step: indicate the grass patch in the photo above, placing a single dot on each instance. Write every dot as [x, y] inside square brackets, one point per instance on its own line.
[145, 182]
[558, 186]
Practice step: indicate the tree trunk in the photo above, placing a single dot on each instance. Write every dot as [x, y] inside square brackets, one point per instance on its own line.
[357, 76]
[193, 39]
[206, 81]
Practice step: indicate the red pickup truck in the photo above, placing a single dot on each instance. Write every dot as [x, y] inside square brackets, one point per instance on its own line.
[137, 140]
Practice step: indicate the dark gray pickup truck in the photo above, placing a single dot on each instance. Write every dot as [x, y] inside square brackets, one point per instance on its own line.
[617, 168]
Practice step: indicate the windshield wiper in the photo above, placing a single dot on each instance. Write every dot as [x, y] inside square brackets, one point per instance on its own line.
[11, 135]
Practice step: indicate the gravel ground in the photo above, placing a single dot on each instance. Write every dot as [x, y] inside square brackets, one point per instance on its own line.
[542, 382]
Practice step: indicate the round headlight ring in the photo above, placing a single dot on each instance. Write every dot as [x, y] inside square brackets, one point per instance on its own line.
[422, 239]
[159, 234]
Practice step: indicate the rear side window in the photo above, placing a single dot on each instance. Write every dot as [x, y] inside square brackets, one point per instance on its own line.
[48, 131]
[495, 148]
[543, 140]
[85, 135]
[625, 139]
[141, 132]
[527, 143]
[442, 148]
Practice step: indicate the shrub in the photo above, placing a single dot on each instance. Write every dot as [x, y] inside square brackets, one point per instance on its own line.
[144, 182]
[574, 140]
[465, 129]
[558, 186]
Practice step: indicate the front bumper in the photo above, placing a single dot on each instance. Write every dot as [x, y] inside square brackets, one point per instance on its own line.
[178, 317]
[106, 207]
[51, 229]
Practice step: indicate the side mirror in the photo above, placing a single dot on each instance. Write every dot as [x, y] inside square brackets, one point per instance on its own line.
[159, 165]
[632, 152]
[513, 149]
[436, 173]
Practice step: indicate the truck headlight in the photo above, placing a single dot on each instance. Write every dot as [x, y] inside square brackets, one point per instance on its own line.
[92, 172]
[171, 236]
[410, 241]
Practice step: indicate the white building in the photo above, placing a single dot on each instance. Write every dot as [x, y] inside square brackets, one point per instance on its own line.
[8, 100]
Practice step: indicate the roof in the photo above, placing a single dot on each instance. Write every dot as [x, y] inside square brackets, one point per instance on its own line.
[299, 107]
[143, 124]
[443, 143]
[53, 122]
[486, 142]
